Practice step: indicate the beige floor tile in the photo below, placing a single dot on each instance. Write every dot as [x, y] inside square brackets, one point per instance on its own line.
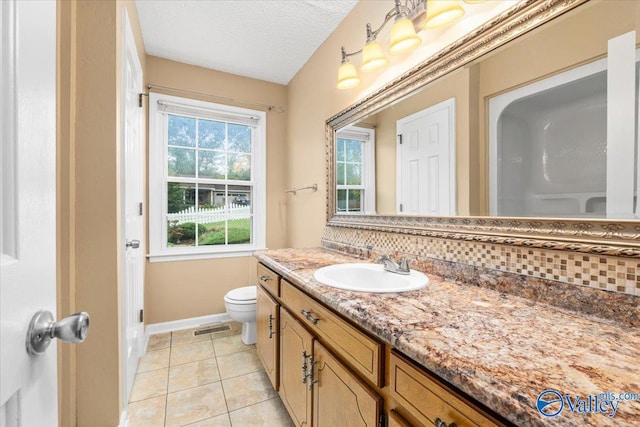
[147, 413]
[149, 384]
[193, 374]
[195, 404]
[186, 336]
[266, 414]
[152, 360]
[236, 364]
[158, 341]
[219, 421]
[247, 390]
[230, 344]
[193, 352]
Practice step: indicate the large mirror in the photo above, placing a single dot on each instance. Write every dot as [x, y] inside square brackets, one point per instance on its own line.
[516, 116]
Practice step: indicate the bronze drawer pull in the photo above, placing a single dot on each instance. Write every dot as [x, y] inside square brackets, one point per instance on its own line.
[440, 423]
[310, 318]
[271, 326]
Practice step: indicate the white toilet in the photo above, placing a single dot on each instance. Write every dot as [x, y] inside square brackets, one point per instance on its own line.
[240, 304]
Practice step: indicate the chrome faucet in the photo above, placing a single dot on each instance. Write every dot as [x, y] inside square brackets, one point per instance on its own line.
[393, 267]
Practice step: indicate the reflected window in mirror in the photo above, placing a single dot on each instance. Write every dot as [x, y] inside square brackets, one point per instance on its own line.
[355, 170]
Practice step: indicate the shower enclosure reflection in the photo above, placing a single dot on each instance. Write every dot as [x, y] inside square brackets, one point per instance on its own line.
[548, 147]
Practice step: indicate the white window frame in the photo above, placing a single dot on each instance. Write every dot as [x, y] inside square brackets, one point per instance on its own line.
[158, 173]
[368, 137]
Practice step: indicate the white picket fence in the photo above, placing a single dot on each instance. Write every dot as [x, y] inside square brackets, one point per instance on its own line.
[206, 216]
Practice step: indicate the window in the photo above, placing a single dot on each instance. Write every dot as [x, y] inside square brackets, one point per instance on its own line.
[355, 164]
[206, 179]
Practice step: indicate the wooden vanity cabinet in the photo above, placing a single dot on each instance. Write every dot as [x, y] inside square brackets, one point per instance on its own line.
[296, 349]
[310, 373]
[396, 420]
[267, 335]
[340, 398]
[360, 351]
[330, 373]
[269, 280]
[428, 400]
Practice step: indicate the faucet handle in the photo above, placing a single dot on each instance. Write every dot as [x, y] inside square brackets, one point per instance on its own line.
[404, 263]
[381, 259]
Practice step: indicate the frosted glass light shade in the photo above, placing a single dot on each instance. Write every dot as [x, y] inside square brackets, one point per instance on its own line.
[442, 12]
[373, 57]
[473, 1]
[347, 76]
[403, 37]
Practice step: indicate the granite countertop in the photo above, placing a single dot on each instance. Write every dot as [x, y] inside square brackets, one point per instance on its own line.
[500, 349]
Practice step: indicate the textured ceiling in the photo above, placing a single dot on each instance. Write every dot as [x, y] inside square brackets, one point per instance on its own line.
[267, 40]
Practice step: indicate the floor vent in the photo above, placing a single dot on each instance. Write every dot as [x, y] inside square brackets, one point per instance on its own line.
[212, 329]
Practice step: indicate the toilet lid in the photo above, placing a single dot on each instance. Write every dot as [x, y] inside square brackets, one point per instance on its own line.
[247, 293]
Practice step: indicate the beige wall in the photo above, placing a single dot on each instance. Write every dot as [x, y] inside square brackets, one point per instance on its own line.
[313, 98]
[89, 205]
[184, 289]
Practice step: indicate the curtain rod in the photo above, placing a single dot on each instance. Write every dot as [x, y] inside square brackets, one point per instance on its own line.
[268, 107]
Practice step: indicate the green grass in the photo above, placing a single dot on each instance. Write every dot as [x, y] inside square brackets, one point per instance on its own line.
[213, 233]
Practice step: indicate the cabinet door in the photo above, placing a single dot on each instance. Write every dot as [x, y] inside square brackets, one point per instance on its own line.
[295, 359]
[340, 398]
[267, 316]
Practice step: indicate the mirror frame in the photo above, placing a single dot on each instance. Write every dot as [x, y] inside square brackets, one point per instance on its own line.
[594, 236]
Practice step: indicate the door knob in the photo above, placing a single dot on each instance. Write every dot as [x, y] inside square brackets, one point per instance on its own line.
[135, 244]
[42, 329]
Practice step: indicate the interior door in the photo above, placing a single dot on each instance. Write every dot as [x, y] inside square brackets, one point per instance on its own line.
[426, 161]
[28, 386]
[133, 219]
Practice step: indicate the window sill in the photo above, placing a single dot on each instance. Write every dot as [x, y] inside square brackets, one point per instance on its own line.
[170, 257]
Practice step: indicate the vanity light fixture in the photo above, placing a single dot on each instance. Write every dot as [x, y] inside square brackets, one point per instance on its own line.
[410, 17]
[442, 12]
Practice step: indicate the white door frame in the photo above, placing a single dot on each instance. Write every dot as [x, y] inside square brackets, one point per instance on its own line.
[131, 298]
[449, 104]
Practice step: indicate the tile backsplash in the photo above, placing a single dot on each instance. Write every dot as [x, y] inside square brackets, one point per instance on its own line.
[618, 274]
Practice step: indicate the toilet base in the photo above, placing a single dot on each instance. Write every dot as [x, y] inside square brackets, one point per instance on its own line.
[249, 333]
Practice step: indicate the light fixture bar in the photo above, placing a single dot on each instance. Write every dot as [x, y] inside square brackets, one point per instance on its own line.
[410, 17]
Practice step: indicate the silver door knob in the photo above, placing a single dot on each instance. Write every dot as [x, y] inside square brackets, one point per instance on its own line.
[135, 244]
[42, 329]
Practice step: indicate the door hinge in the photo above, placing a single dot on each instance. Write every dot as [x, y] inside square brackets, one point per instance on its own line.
[140, 208]
[382, 422]
[141, 315]
[400, 139]
[400, 207]
[140, 100]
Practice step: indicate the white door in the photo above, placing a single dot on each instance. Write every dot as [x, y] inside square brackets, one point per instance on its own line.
[133, 195]
[28, 384]
[426, 161]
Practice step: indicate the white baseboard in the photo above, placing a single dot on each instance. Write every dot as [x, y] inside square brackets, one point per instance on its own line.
[177, 325]
[124, 418]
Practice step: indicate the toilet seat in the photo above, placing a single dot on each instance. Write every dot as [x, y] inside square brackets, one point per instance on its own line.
[244, 295]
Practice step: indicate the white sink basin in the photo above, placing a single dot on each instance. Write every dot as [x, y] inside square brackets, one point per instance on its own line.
[369, 278]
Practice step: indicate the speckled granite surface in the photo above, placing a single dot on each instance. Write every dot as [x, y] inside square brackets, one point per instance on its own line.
[502, 350]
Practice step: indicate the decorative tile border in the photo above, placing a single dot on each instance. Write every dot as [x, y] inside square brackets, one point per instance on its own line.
[612, 273]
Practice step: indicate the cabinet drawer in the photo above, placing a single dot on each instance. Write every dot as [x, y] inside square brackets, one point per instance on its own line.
[425, 399]
[361, 352]
[269, 280]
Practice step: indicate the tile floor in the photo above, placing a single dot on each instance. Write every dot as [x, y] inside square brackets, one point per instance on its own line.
[211, 380]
